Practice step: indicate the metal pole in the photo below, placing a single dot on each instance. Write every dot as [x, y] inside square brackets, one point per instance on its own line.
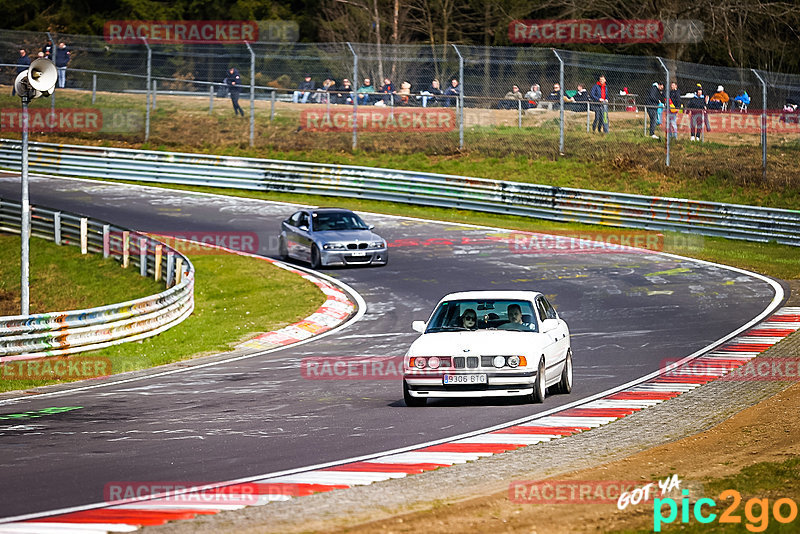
[94, 87]
[519, 114]
[763, 124]
[155, 93]
[210, 99]
[355, 96]
[272, 99]
[460, 98]
[588, 120]
[147, 106]
[53, 59]
[25, 226]
[666, 106]
[561, 103]
[252, 94]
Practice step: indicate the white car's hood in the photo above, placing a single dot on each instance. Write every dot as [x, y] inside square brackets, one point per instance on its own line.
[478, 343]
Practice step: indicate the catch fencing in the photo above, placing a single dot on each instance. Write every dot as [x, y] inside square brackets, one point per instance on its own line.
[484, 120]
[69, 332]
[427, 189]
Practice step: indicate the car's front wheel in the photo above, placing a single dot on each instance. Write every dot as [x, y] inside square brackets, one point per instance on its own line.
[412, 402]
[315, 259]
[283, 250]
[539, 386]
[565, 384]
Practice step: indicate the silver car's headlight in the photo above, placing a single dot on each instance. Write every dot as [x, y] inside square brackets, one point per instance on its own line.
[499, 361]
[334, 246]
[377, 244]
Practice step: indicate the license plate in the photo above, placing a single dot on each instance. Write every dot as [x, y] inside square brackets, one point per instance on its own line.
[464, 379]
[359, 254]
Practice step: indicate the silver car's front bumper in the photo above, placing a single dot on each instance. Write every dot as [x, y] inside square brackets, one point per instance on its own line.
[378, 256]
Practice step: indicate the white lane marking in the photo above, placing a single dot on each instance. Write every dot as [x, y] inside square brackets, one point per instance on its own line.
[68, 528]
[348, 478]
[512, 439]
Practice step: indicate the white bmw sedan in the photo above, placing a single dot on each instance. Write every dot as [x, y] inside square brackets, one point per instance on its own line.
[489, 344]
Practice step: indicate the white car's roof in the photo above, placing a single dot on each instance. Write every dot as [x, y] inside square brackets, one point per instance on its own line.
[477, 295]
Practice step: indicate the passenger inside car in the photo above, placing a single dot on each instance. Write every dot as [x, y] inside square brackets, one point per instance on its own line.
[469, 319]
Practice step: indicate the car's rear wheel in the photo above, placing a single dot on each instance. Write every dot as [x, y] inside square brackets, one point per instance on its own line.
[315, 260]
[283, 250]
[539, 385]
[412, 402]
[565, 384]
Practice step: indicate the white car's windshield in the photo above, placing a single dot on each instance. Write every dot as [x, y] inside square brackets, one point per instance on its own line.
[338, 220]
[489, 314]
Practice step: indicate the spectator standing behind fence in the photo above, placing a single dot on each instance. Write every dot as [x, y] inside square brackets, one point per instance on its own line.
[63, 55]
[23, 62]
[431, 94]
[696, 106]
[600, 94]
[534, 96]
[304, 90]
[655, 96]
[47, 50]
[675, 104]
[364, 91]
[234, 83]
[452, 93]
[719, 100]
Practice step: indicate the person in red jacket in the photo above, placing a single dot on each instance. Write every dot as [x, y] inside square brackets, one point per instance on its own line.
[600, 94]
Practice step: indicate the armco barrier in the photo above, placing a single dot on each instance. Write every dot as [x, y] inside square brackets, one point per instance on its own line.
[516, 198]
[49, 334]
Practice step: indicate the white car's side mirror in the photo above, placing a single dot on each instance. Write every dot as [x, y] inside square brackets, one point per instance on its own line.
[418, 326]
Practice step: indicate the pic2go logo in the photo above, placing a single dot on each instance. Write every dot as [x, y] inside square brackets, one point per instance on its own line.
[756, 511]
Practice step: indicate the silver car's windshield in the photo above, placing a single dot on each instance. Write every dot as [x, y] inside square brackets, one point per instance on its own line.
[337, 221]
[487, 314]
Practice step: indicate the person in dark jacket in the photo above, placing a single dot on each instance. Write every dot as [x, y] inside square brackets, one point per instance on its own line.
[62, 59]
[655, 95]
[675, 104]
[344, 94]
[600, 94]
[697, 110]
[23, 62]
[47, 49]
[304, 90]
[234, 83]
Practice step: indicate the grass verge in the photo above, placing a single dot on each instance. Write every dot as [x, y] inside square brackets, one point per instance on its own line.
[235, 297]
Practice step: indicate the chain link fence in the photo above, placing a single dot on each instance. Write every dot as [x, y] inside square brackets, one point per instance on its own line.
[533, 102]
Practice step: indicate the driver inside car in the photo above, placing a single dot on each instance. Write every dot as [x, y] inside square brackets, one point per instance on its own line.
[469, 319]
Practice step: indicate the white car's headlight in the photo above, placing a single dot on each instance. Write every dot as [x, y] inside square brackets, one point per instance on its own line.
[334, 246]
[433, 362]
[513, 361]
[499, 361]
[419, 363]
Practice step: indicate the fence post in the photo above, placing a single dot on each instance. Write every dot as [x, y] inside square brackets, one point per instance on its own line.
[666, 107]
[53, 59]
[519, 114]
[126, 248]
[170, 268]
[155, 92]
[84, 235]
[588, 119]
[561, 104]
[272, 99]
[57, 227]
[355, 95]
[460, 98]
[211, 98]
[147, 106]
[143, 256]
[157, 264]
[763, 124]
[106, 241]
[252, 94]
[94, 87]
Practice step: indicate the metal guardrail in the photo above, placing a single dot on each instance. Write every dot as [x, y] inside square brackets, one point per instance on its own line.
[516, 198]
[67, 332]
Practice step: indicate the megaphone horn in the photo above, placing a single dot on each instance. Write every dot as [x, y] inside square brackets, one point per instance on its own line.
[42, 75]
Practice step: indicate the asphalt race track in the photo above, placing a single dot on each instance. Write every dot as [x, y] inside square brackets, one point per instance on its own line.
[628, 312]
